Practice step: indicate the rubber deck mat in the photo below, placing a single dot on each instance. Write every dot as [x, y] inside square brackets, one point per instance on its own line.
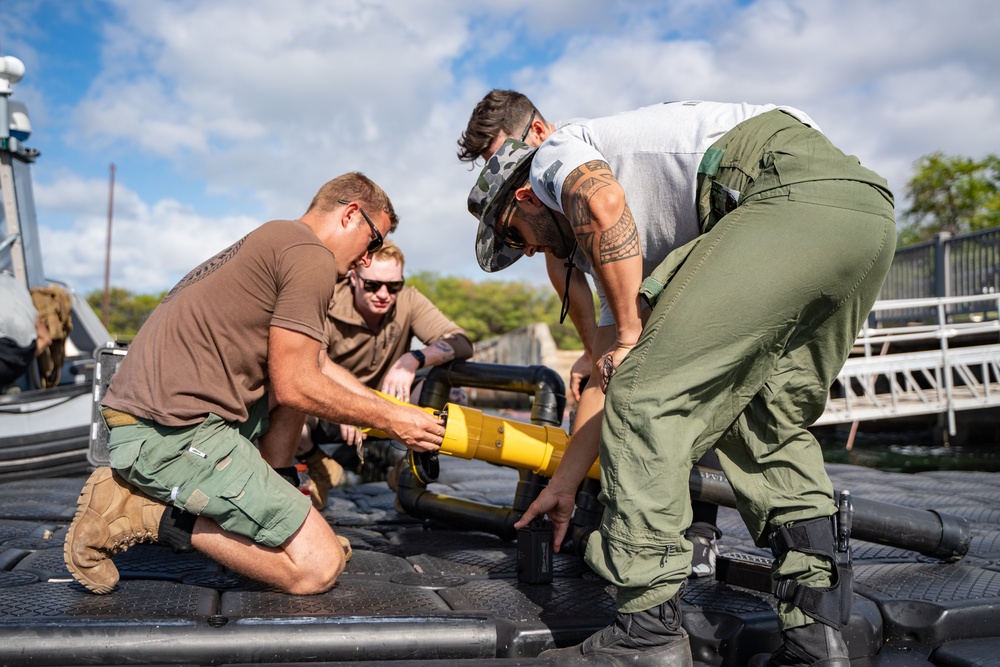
[420, 592]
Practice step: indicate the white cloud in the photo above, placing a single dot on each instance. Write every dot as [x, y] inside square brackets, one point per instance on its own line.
[152, 246]
[261, 102]
[888, 81]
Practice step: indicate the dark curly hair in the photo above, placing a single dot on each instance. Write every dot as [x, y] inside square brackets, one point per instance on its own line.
[500, 111]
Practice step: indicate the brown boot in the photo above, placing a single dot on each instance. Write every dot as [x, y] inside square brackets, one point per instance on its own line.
[112, 515]
[324, 474]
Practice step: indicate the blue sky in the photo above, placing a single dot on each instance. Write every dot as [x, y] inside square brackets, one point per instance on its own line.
[222, 114]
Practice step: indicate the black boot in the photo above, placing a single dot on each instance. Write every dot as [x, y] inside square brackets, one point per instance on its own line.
[650, 637]
[815, 645]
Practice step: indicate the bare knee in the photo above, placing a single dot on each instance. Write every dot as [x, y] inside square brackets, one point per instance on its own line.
[319, 576]
[317, 557]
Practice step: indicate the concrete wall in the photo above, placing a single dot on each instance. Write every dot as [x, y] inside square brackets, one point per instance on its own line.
[528, 346]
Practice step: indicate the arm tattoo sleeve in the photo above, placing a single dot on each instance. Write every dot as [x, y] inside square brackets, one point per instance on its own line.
[621, 241]
[581, 184]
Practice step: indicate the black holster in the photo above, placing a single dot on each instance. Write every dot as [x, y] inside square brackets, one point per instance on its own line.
[824, 537]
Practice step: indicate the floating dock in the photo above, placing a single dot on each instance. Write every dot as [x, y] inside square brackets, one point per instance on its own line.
[419, 593]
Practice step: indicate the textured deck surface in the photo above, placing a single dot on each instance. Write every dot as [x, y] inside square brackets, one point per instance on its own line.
[420, 593]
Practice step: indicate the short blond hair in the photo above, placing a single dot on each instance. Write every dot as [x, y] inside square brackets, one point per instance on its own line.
[389, 250]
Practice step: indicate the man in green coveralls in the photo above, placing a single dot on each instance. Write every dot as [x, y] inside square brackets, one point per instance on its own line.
[239, 337]
[503, 114]
[738, 253]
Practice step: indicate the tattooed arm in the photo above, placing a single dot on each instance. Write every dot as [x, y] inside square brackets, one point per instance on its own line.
[595, 205]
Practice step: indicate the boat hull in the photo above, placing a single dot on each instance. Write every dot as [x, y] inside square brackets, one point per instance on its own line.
[45, 433]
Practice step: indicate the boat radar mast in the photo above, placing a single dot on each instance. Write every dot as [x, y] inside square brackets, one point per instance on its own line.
[20, 249]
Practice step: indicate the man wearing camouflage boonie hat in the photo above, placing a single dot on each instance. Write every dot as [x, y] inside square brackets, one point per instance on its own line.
[737, 253]
[503, 114]
[506, 170]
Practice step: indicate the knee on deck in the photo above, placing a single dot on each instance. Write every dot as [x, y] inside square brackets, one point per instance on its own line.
[319, 576]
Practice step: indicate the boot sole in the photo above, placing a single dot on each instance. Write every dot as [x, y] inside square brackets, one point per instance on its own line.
[81, 507]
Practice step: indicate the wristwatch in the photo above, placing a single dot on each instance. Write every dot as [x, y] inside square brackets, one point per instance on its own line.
[419, 356]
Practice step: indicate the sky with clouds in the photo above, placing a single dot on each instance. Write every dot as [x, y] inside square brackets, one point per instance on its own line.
[222, 114]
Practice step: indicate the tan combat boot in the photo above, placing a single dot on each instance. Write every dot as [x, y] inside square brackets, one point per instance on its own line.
[112, 515]
[324, 474]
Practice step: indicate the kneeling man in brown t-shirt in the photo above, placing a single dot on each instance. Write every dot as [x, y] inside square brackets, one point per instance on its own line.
[237, 338]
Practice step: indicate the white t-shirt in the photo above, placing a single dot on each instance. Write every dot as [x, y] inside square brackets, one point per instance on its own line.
[654, 152]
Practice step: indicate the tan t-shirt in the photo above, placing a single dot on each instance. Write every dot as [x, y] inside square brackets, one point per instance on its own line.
[204, 348]
[369, 354]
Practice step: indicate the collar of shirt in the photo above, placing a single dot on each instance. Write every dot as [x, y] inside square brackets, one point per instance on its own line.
[342, 307]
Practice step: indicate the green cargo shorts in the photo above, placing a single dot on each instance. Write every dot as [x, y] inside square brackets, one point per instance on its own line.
[212, 469]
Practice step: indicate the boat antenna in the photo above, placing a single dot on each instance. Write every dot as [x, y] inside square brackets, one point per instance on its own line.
[106, 306]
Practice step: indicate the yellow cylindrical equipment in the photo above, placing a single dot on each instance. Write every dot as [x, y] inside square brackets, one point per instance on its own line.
[471, 434]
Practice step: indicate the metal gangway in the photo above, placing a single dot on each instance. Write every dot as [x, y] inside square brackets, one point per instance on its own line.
[958, 370]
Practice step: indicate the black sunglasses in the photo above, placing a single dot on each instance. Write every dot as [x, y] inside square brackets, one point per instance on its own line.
[527, 128]
[508, 235]
[376, 243]
[375, 285]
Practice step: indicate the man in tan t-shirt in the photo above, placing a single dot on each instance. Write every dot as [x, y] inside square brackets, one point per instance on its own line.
[370, 326]
[238, 338]
[374, 318]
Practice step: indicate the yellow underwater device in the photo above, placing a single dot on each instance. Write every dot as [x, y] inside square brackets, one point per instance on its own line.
[472, 434]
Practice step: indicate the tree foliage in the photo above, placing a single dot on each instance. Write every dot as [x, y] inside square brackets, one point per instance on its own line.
[951, 193]
[126, 312]
[494, 307]
[484, 309]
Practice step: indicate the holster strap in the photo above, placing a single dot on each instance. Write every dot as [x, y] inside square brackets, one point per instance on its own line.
[832, 605]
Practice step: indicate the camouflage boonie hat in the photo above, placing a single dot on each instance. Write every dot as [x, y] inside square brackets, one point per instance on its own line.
[506, 170]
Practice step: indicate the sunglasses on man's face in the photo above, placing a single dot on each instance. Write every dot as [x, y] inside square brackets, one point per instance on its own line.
[376, 243]
[509, 236]
[375, 285]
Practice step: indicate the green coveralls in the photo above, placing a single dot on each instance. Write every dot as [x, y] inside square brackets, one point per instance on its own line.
[751, 324]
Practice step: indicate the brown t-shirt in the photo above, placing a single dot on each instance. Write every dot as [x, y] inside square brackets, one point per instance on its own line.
[369, 354]
[204, 348]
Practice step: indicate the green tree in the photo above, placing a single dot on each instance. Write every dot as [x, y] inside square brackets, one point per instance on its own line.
[484, 309]
[494, 307]
[951, 193]
[127, 311]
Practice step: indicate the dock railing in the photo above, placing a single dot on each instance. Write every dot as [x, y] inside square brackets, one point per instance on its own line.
[956, 365]
[945, 266]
